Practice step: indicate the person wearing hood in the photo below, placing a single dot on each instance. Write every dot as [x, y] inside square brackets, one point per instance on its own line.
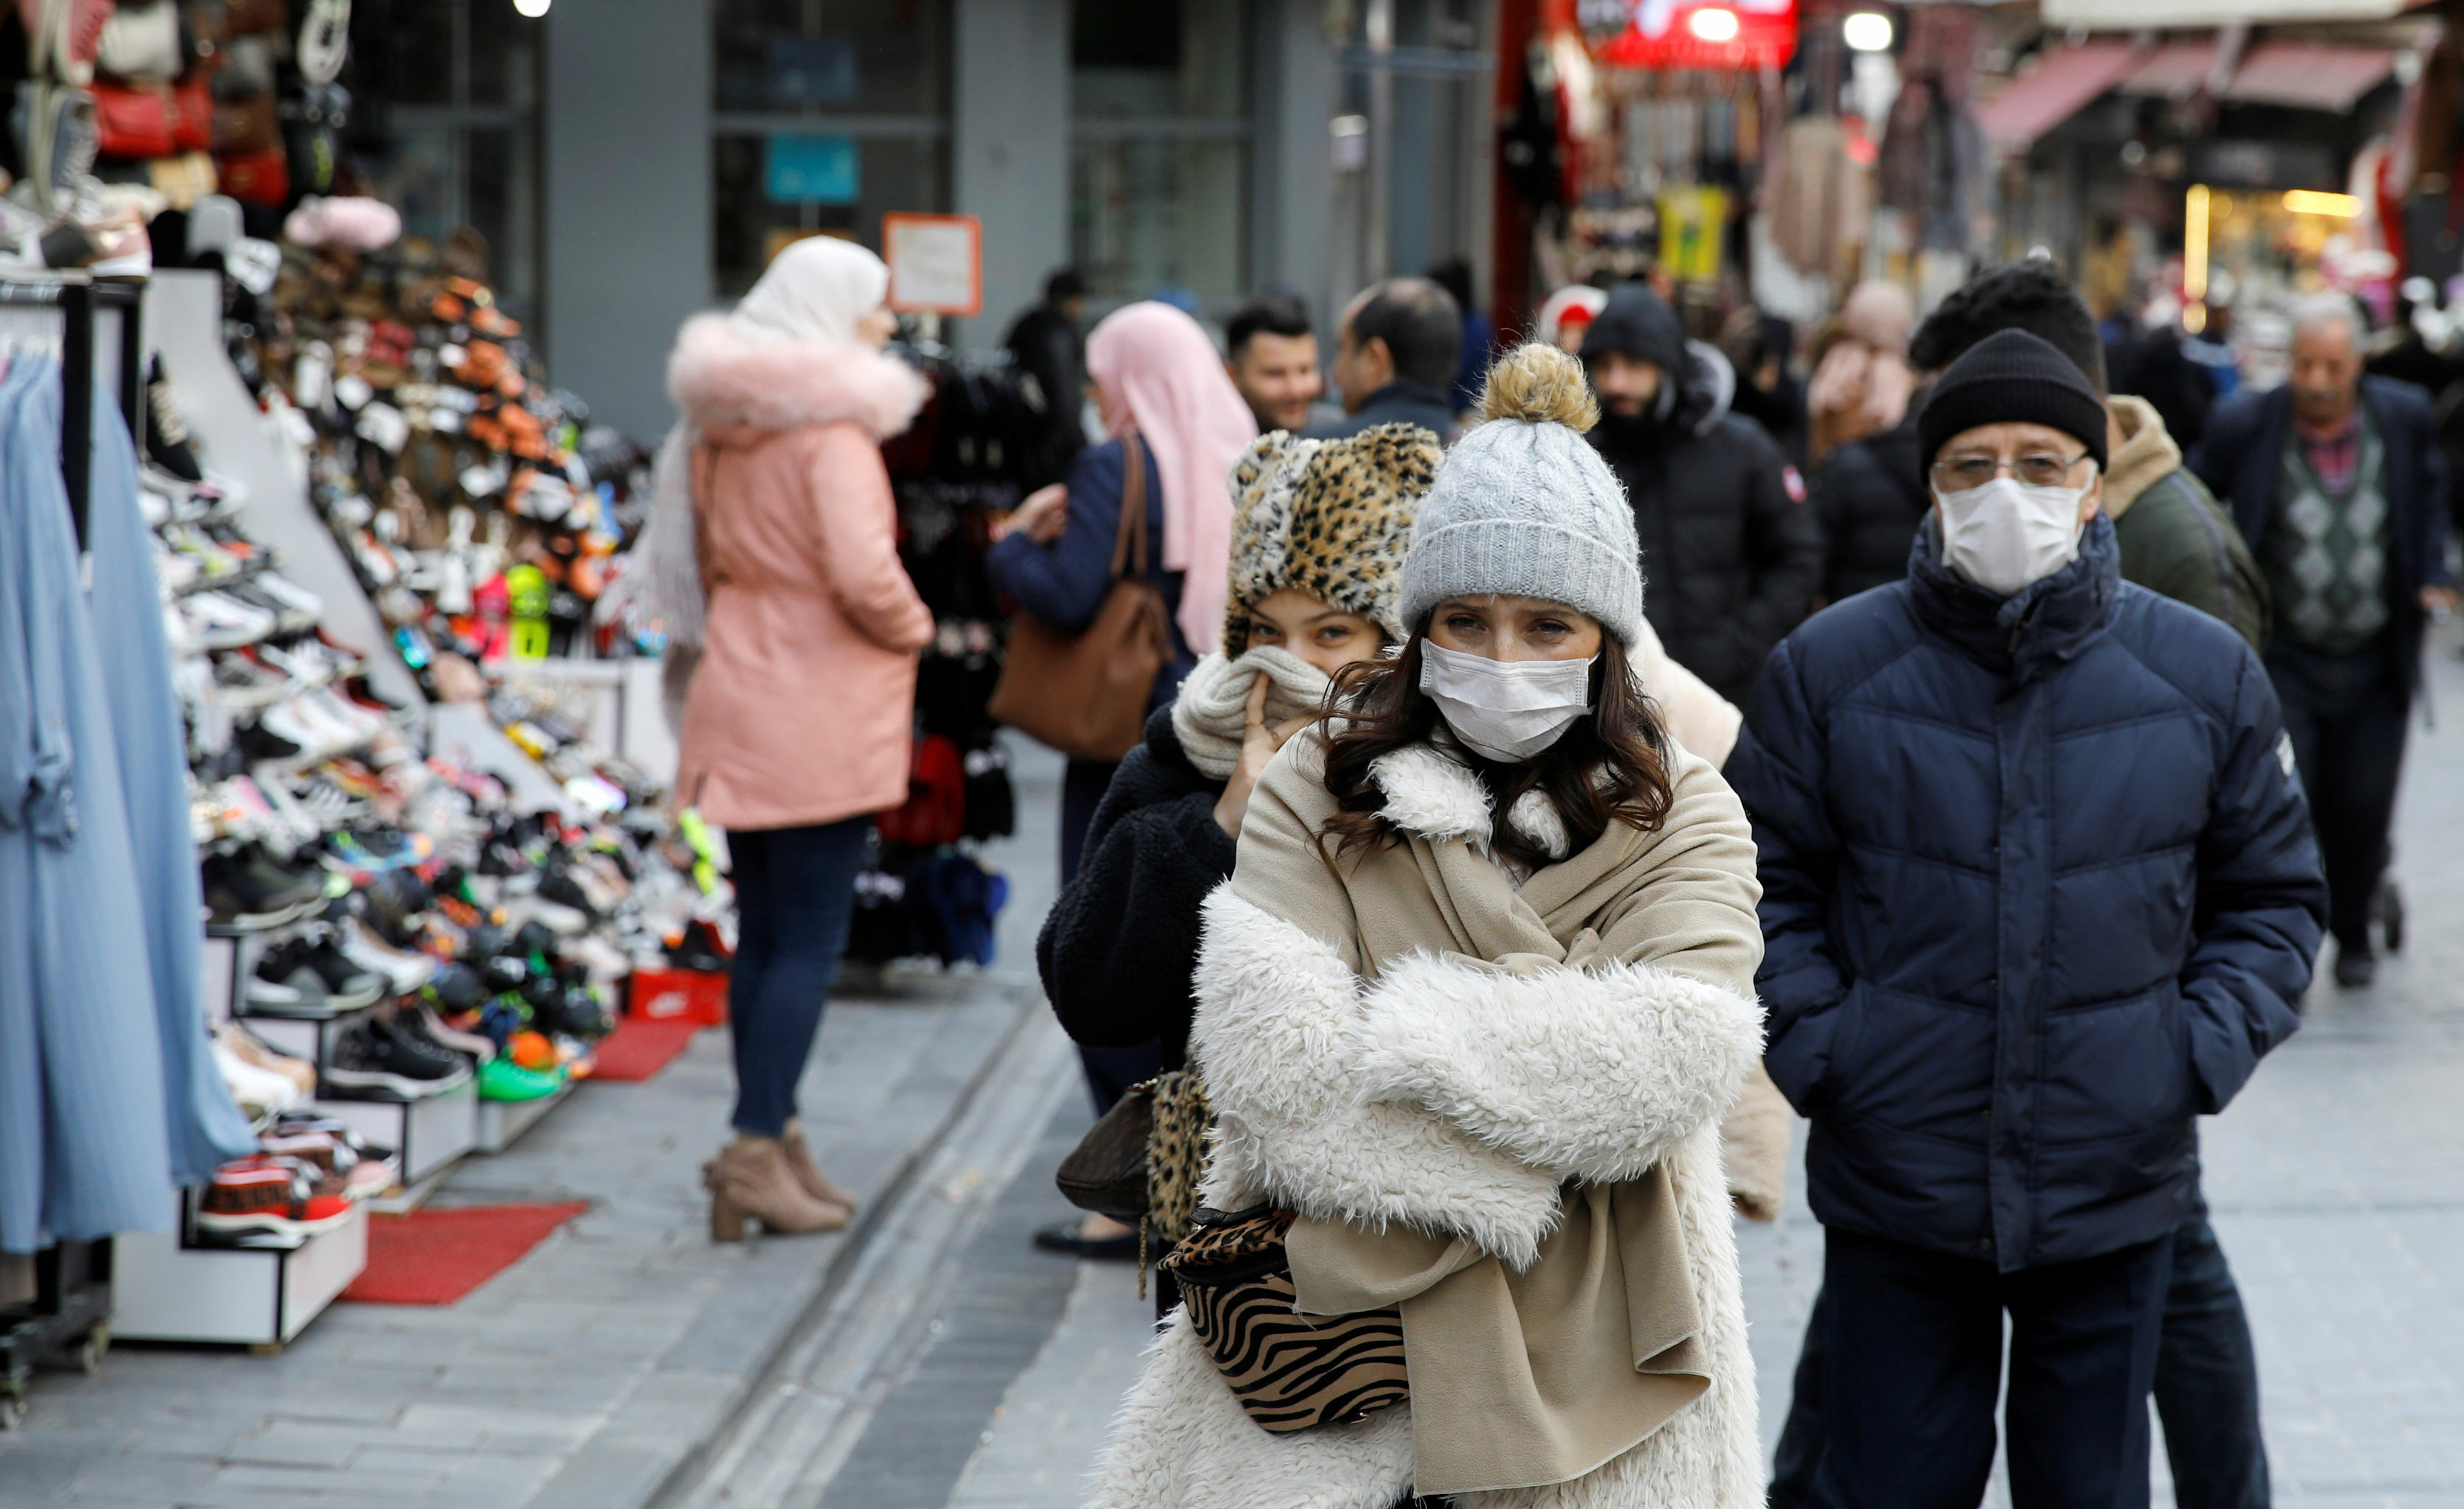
[2040, 890]
[773, 563]
[1734, 553]
[1468, 1013]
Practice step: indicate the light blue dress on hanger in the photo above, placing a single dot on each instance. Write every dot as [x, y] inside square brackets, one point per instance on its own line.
[84, 1139]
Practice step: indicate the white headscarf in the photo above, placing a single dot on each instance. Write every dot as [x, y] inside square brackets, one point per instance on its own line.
[816, 289]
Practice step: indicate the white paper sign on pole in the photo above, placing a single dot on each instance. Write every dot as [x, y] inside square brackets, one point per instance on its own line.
[936, 263]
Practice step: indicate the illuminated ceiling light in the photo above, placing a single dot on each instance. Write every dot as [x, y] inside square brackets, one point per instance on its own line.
[534, 8]
[1867, 31]
[2311, 201]
[1713, 25]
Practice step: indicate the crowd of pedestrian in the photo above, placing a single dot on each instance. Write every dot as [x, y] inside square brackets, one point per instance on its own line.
[1567, 765]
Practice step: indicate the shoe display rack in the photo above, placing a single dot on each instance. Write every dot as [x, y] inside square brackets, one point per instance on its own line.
[172, 1288]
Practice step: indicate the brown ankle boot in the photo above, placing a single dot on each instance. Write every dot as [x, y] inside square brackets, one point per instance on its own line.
[751, 1178]
[808, 1174]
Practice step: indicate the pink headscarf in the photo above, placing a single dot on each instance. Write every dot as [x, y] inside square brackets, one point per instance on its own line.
[1157, 376]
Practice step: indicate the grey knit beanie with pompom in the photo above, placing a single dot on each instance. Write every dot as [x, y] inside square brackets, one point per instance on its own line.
[1524, 506]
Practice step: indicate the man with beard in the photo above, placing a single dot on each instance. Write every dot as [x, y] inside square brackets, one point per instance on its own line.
[1273, 361]
[1731, 552]
[2337, 484]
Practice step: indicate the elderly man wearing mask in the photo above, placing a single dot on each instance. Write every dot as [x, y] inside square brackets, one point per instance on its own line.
[2338, 485]
[2038, 890]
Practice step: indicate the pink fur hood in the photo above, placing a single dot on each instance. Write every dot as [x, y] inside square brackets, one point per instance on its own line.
[726, 381]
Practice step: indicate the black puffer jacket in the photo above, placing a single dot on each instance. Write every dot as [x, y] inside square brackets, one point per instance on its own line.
[1732, 555]
[1117, 949]
[1870, 497]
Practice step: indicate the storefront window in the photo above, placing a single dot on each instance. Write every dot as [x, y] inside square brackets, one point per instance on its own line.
[449, 94]
[827, 116]
[1159, 157]
[769, 189]
[803, 58]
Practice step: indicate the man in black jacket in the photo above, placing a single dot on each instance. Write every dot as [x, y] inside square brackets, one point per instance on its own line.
[2337, 483]
[1732, 551]
[1395, 359]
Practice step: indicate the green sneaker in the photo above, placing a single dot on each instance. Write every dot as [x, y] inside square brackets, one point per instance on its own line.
[503, 1080]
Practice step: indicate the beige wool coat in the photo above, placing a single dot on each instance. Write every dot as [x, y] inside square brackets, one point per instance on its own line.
[800, 710]
[1409, 1042]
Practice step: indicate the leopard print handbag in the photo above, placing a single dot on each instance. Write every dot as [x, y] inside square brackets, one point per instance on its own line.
[1289, 1371]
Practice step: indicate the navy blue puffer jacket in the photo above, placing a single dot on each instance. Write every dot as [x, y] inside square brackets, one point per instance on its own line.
[2038, 887]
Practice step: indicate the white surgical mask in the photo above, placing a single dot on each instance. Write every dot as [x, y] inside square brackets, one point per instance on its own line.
[2007, 533]
[1508, 711]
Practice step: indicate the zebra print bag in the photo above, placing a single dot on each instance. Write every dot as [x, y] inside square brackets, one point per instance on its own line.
[1289, 1371]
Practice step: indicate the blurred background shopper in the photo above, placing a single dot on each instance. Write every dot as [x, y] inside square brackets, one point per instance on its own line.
[780, 564]
[1173, 412]
[2339, 483]
[1270, 354]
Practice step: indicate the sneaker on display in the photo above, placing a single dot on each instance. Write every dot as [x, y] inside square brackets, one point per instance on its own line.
[264, 1196]
[373, 1062]
[322, 980]
[503, 1080]
[404, 971]
[244, 890]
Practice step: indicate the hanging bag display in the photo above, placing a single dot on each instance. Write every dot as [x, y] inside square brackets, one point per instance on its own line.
[1086, 694]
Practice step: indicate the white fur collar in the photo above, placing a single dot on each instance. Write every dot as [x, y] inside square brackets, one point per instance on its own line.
[1431, 793]
[724, 378]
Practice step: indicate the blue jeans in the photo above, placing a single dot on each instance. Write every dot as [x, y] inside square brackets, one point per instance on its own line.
[2207, 1388]
[795, 892]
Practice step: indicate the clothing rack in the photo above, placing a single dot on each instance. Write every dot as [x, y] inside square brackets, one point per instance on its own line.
[77, 296]
[69, 1316]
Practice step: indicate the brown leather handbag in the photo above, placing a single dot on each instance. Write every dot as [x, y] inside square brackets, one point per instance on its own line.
[1086, 694]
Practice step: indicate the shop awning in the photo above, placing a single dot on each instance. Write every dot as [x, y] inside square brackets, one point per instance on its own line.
[2171, 71]
[2057, 88]
[2140, 16]
[2309, 75]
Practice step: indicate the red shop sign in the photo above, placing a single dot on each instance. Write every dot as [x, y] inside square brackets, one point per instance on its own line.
[1702, 34]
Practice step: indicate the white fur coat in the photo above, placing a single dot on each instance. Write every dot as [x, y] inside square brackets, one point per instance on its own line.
[1452, 1096]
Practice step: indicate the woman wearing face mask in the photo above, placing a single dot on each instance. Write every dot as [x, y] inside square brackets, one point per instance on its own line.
[1317, 547]
[773, 563]
[1469, 1011]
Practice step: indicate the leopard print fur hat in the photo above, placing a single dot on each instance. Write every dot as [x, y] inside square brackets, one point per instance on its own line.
[1331, 518]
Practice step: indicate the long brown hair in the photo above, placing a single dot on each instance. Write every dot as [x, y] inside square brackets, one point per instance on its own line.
[1611, 766]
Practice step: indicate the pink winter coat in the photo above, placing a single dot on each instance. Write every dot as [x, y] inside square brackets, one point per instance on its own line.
[801, 709]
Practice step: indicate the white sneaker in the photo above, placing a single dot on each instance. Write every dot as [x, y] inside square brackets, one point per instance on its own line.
[404, 971]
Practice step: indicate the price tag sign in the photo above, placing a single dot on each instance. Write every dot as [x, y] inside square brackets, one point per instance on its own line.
[936, 263]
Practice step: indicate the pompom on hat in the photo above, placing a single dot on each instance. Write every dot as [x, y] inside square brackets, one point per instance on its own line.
[1330, 517]
[1524, 506]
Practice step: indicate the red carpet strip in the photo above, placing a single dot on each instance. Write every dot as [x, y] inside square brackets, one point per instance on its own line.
[437, 1257]
[639, 1048]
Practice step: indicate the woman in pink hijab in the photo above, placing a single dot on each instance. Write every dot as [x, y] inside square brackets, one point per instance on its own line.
[1171, 409]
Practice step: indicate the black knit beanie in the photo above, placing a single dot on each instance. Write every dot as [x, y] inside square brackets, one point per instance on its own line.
[2011, 377]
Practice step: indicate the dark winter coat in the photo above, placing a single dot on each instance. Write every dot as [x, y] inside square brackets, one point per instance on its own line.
[1870, 497]
[2241, 459]
[2038, 888]
[1398, 402]
[2176, 540]
[1064, 584]
[1118, 948]
[1732, 555]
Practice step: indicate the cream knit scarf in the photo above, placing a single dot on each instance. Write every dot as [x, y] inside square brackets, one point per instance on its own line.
[1212, 715]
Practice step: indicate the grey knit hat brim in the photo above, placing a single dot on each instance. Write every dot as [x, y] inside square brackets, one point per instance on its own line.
[1524, 558]
[1529, 510]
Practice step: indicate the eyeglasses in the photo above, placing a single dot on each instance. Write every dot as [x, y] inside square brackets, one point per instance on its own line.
[2038, 469]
